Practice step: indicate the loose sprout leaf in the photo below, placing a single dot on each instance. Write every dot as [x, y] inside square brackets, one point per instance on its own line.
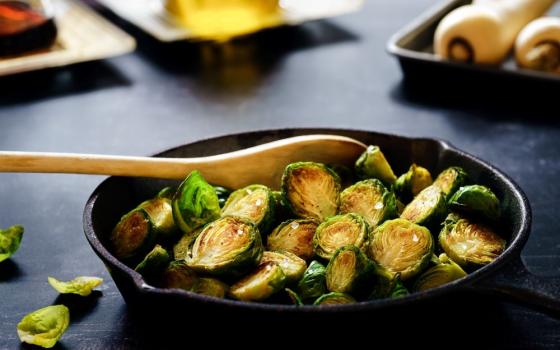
[334, 298]
[262, 283]
[255, 203]
[81, 285]
[427, 208]
[294, 236]
[449, 180]
[292, 265]
[373, 164]
[10, 240]
[45, 326]
[313, 283]
[476, 200]
[444, 272]
[338, 231]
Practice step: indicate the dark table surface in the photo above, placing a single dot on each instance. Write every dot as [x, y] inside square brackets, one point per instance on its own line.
[332, 73]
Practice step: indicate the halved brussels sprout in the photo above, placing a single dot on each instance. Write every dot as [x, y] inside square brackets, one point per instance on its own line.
[476, 200]
[292, 265]
[450, 180]
[400, 246]
[45, 326]
[161, 216]
[181, 248]
[294, 236]
[411, 183]
[230, 246]
[444, 272]
[223, 194]
[311, 189]
[81, 285]
[255, 203]
[338, 231]
[265, 281]
[154, 263]
[195, 203]
[313, 283]
[468, 243]
[372, 164]
[294, 297]
[334, 298]
[167, 192]
[349, 271]
[371, 200]
[427, 208]
[133, 235]
[178, 275]
[10, 240]
[211, 287]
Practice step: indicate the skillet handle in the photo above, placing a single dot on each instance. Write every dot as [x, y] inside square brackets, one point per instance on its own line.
[516, 283]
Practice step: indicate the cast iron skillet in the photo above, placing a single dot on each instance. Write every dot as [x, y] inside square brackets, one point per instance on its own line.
[506, 276]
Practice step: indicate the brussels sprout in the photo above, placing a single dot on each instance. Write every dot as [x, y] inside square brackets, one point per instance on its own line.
[469, 244]
[254, 203]
[338, 231]
[445, 272]
[349, 271]
[133, 235]
[311, 190]
[427, 208]
[45, 326]
[400, 246]
[10, 240]
[82, 285]
[294, 236]
[292, 265]
[371, 200]
[313, 283]
[230, 246]
[334, 298]
[372, 164]
[211, 287]
[181, 248]
[450, 180]
[282, 208]
[178, 275]
[411, 183]
[398, 290]
[223, 194]
[476, 200]
[294, 297]
[195, 203]
[265, 281]
[154, 263]
[160, 212]
[167, 192]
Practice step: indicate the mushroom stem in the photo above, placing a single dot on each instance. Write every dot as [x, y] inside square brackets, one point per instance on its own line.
[545, 57]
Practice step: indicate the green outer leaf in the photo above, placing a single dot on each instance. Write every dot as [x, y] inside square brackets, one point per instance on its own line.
[443, 273]
[355, 219]
[427, 208]
[10, 240]
[154, 263]
[313, 283]
[450, 180]
[362, 274]
[266, 219]
[45, 326]
[81, 285]
[167, 192]
[334, 298]
[476, 200]
[373, 164]
[294, 297]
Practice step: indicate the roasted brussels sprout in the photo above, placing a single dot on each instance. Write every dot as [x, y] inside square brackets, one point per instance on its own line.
[167, 192]
[211, 287]
[400, 246]
[294, 297]
[334, 298]
[450, 180]
[292, 265]
[181, 248]
[10, 240]
[230, 246]
[294, 236]
[313, 283]
[154, 263]
[133, 235]
[349, 271]
[254, 203]
[411, 183]
[469, 244]
[265, 281]
[387, 285]
[195, 203]
[45, 326]
[444, 272]
[476, 200]
[179, 275]
[311, 190]
[82, 285]
[160, 212]
[427, 208]
[371, 200]
[338, 231]
[223, 194]
[372, 164]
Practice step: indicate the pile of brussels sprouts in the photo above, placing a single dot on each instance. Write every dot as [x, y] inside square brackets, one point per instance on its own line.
[315, 241]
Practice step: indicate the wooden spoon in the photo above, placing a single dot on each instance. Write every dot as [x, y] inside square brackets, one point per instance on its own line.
[261, 164]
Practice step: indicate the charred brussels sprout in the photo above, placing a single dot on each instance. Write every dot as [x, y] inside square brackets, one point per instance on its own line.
[334, 298]
[82, 285]
[223, 194]
[338, 231]
[160, 212]
[211, 287]
[427, 208]
[313, 283]
[229, 246]
[294, 297]
[178, 275]
[10, 240]
[349, 271]
[292, 265]
[371, 200]
[45, 326]
[254, 203]
[444, 272]
[400, 246]
[469, 244]
[477, 200]
[311, 190]
[154, 263]
[294, 236]
[133, 235]
[181, 248]
[265, 281]
[411, 183]
[450, 180]
[195, 203]
[372, 164]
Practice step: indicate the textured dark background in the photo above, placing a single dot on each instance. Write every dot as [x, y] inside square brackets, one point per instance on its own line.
[332, 73]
